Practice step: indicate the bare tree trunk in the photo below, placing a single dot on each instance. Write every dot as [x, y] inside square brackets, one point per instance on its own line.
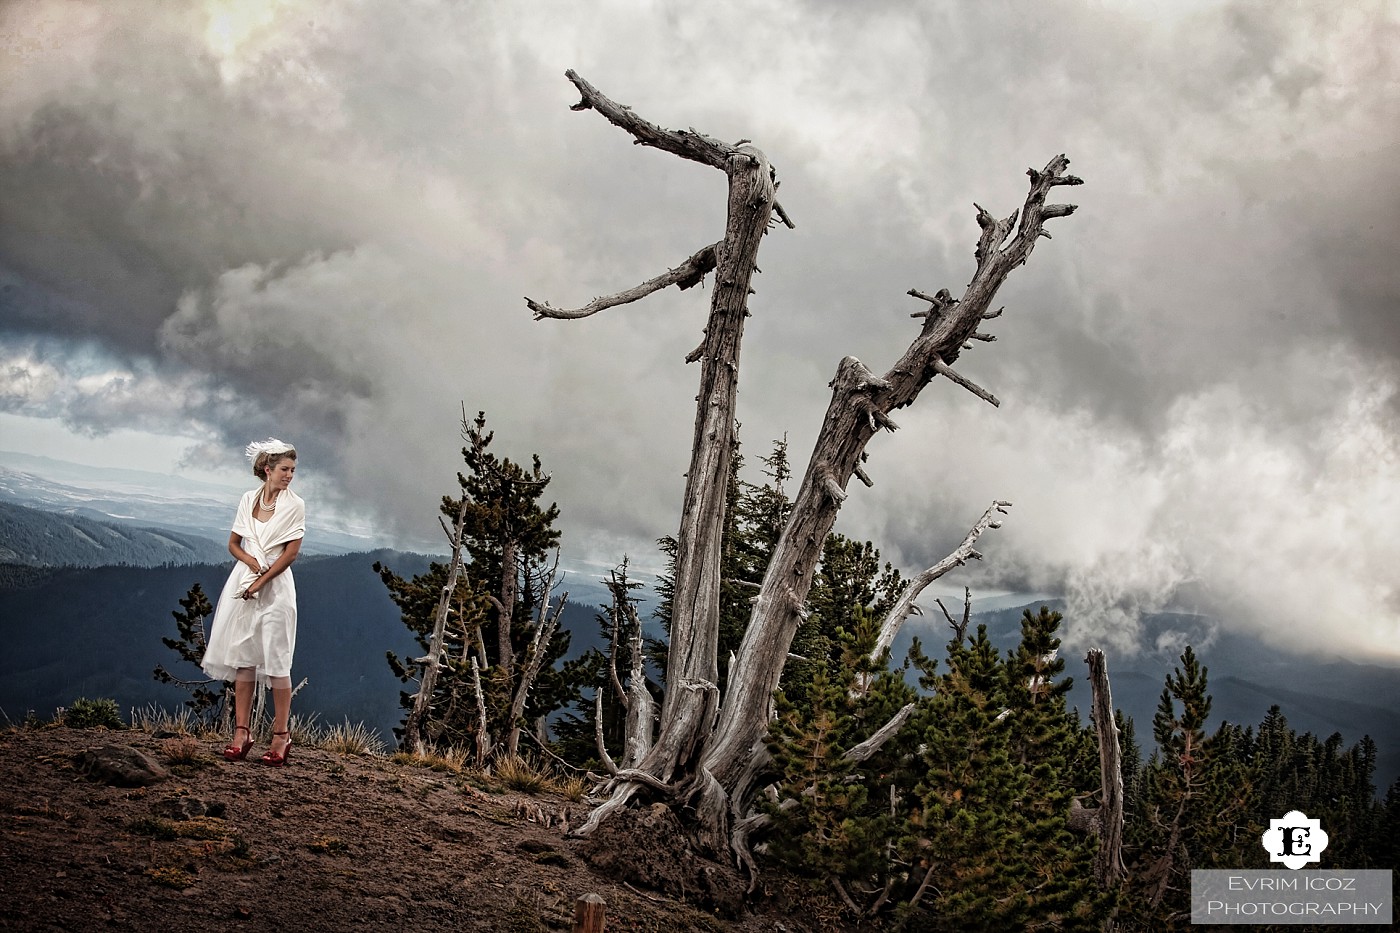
[505, 609]
[1108, 864]
[711, 763]
[635, 699]
[544, 631]
[432, 661]
[641, 708]
[483, 734]
[609, 765]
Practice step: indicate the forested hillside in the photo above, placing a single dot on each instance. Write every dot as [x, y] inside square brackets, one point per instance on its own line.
[96, 632]
[55, 539]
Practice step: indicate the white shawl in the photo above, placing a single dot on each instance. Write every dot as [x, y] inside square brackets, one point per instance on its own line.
[260, 539]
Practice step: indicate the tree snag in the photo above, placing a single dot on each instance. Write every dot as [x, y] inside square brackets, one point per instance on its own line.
[546, 626]
[432, 662]
[706, 753]
[1107, 820]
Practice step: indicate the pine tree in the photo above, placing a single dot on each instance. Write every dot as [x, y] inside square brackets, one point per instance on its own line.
[1131, 765]
[1192, 806]
[507, 534]
[1060, 761]
[1385, 840]
[963, 836]
[826, 829]
[207, 701]
[850, 580]
[837, 810]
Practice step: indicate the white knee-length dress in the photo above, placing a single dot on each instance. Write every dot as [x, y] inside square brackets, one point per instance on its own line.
[261, 632]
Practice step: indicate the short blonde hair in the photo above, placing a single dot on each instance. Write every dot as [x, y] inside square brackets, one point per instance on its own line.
[265, 461]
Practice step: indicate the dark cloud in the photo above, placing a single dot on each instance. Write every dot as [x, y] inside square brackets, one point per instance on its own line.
[318, 222]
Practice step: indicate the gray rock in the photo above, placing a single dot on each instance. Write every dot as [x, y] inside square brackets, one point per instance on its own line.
[120, 765]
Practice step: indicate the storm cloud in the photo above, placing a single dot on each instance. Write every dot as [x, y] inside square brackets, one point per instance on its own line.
[318, 220]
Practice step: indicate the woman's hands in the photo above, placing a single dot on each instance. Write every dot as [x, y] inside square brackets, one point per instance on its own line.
[256, 585]
[253, 587]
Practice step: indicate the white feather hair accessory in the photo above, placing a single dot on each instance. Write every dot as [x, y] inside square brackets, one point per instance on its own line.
[270, 446]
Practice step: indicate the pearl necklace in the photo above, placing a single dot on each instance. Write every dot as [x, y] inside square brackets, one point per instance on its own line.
[264, 503]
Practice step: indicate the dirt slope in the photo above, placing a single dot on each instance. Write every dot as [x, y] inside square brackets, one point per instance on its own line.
[331, 842]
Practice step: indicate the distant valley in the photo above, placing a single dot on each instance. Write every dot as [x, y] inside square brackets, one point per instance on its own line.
[148, 500]
[33, 537]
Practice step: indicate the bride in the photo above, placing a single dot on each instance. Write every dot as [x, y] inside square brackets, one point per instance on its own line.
[254, 630]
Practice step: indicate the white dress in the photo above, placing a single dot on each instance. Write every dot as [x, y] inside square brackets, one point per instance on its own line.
[260, 632]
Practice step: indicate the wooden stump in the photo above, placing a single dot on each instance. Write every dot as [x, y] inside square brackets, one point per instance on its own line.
[590, 914]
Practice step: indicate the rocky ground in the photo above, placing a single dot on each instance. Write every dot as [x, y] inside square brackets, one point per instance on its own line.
[332, 842]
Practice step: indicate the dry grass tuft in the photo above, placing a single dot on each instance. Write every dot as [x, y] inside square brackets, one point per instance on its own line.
[184, 750]
[453, 760]
[350, 739]
[180, 721]
[168, 876]
[572, 788]
[521, 775]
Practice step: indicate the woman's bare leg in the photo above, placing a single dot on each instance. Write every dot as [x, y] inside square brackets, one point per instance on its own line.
[281, 714]
[243, 699]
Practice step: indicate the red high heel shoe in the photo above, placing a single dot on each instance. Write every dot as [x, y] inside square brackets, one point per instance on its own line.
[272, 758]
[235, 752]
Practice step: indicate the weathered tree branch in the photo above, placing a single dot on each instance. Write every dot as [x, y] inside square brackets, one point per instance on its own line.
[688, 144]
[686, 275]
[870, 746]
[483, 735]
[547, 625]
[943, 369]
[603, 756]
[900, 611]
[959, 627]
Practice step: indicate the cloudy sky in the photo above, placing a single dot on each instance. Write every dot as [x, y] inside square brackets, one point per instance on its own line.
[227, 219]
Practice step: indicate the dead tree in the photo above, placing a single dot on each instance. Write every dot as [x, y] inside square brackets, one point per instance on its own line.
[546, 625]
[431, 662]
[707, 756]
[635, 699]
[1107, 820]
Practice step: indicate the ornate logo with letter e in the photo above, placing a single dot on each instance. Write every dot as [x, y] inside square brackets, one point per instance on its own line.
[1295, 840]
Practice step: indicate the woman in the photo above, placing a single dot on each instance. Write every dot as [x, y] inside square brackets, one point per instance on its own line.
[254, 630]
